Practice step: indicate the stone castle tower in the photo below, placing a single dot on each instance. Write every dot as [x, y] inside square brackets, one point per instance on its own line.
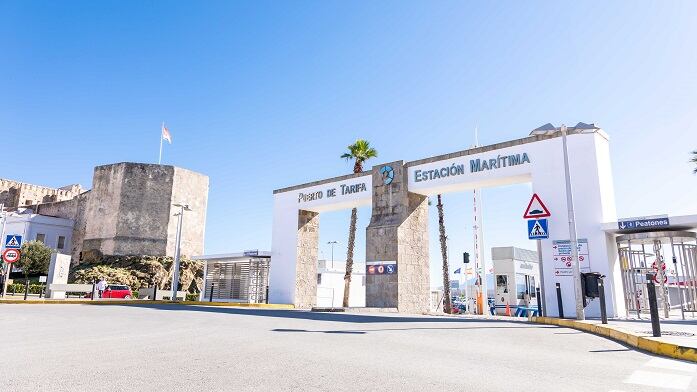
[129, 211]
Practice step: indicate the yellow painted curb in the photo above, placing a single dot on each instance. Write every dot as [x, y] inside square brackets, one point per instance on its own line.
[649, 344]
[146, 302]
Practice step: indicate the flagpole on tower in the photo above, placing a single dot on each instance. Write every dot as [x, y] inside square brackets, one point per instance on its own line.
[159, 161]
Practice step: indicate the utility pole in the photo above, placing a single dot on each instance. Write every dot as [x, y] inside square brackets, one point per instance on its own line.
[332, 243]
[576, 269]
[6, 272]
[177, 249]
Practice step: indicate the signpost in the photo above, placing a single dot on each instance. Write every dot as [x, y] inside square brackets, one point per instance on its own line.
[644, 222]
[538, 229]
[11, 255]
[13, 241]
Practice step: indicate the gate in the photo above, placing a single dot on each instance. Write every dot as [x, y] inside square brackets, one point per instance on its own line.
[672, 257]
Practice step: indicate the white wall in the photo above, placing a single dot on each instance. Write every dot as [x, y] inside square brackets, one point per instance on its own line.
[330, 293]
[284, 235]
[30, 225]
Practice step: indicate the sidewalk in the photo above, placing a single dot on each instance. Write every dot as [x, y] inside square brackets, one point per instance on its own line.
[678, 340]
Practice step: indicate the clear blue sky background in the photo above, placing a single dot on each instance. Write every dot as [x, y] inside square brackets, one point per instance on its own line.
[261, 95]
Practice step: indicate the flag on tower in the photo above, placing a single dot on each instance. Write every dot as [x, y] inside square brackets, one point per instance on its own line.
[165, 134]
[458, 271]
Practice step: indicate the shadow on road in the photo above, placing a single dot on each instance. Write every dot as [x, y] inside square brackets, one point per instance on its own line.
[337, 317]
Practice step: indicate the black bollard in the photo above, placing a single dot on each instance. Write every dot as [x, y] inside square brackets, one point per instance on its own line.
[653, 306]
[267, 294]
[539, 301]
[154, 292]
[210, 296]
[560, 304]
[94, 285]
[601, 295]
[26, 290]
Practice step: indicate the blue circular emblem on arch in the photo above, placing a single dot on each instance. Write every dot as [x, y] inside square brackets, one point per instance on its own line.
[387, 174]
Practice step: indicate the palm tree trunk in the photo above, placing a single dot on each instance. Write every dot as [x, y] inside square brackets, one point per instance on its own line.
[349, 256]
[447, 308]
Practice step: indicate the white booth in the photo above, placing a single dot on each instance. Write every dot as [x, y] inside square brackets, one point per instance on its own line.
[516, 277]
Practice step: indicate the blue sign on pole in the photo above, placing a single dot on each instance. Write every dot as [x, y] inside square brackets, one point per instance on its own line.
[643, 223]
[13, 241]
[537, 229]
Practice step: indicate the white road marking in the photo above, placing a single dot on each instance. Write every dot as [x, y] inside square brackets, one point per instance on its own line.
[662, 380]
[671, 364]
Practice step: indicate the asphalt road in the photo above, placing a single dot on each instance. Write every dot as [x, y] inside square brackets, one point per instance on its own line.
[177, 348]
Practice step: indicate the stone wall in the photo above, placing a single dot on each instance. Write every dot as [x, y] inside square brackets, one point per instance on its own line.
[398, 232]
[189, 188]
[15, 194]
[306, 264]
[71, 209]
[129, 212]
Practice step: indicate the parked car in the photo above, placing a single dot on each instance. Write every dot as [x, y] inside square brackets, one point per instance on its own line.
[117, 291]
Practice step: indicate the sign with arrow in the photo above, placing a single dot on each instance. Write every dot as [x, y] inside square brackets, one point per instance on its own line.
[536, 208]
[648, 222]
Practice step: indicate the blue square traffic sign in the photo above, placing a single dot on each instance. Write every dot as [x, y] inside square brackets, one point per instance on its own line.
[537, 229]
[13, 241]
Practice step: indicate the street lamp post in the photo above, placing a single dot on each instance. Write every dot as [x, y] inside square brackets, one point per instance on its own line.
[6, 273]
[576, 270]
[332, 243]
[177, 249]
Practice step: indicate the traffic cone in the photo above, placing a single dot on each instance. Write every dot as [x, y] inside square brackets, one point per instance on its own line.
[508, 310]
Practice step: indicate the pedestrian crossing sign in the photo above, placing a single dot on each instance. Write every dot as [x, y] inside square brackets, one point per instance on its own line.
[537, 229]
[13, 241]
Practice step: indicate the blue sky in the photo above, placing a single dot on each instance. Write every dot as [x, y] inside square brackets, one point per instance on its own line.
[262, 95]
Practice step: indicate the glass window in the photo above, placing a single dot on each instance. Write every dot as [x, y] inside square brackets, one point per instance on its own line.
[61, 242]
[319, 278]
[532, 286]
[41, 237]
[520, 286]
[502, 284]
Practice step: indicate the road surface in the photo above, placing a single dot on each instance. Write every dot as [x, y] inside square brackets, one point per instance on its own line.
[185, 348]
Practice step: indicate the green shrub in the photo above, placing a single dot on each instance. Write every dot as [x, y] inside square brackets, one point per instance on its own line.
[18, 288]
[191, 297]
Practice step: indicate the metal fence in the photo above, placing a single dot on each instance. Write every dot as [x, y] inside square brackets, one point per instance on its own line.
[671, 258]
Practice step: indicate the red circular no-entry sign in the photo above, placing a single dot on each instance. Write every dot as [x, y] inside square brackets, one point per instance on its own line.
[11, 255]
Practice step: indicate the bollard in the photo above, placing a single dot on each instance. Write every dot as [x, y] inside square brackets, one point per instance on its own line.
[560, 304]
[154, 292]
[94, 285]
[603, 309]
[539, 301]
[267, 294]
[653, 306]
[26, 289]
[210, 296]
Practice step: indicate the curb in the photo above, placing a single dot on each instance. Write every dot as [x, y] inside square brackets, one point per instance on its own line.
[146, 302]
[650, 344]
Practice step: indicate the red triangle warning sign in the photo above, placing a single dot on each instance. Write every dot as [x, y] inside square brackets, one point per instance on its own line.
[536, 208]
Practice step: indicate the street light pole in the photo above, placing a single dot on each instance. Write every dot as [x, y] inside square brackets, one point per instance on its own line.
[332, 243]
[576, 270]
[6, 274]
[177, 249]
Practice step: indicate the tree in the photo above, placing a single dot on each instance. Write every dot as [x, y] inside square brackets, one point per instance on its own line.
[694, 160]
[447, 304]
[35, 258]
[359, 152]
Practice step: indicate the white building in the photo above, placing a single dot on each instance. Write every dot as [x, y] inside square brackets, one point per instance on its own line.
[330, 284]
[235, 277]
[56, 233]
[517, 278]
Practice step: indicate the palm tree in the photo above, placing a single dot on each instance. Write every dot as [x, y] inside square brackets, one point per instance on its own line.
[694, 159]
[359, 152]
[447, 305]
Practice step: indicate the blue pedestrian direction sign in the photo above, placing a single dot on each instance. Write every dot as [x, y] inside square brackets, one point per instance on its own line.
[649, 222]
[537, 229]
[13, 241]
